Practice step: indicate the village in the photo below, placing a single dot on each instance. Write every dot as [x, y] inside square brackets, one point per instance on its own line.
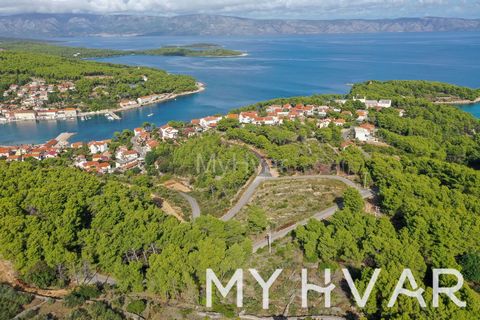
[99, 157]
[32, 101]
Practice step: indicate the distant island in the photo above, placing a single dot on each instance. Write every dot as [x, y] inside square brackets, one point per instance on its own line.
[57, 49]
[61, 25]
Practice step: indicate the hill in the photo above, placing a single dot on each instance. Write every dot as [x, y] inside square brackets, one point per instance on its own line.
[48, 25]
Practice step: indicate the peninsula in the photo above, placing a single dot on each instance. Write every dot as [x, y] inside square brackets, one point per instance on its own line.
[58, 49]
[37, 86]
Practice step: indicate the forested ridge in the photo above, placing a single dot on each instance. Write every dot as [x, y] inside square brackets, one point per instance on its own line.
[57, 222]
[57, 49]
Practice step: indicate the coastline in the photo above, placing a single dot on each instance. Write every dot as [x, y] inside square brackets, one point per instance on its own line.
[162, 98]
[459, 102]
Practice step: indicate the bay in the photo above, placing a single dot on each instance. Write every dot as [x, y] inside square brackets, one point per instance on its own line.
[277, 66]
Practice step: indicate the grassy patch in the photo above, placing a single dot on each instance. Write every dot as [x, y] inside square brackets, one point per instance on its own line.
[288, 201]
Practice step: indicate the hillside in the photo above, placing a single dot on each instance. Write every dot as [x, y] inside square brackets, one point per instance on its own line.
[48, 25]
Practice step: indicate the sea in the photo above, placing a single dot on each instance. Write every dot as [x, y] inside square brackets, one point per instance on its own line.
[275, 66]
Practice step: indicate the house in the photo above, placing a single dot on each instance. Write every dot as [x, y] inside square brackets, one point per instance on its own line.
[5, 152]
[322, 111]
[265, 120]
[368, 126]
[345, 144]
[209, 121]
[47, 114]
[50, 144]
[126, 165]
[339, 122]
[247, 117]
[77, 145]
[52, 153]
[100, 157]
[324, 123]
[371, 103]
[128, 103]
[232, 116]
[138, 131]
[14, 158]
[70, 112]
[25, 115]
[168, 132]
[129, 155]
[150, 145]
[384, 103]
[98, 146]
[95, 166]
[195, 122]
[361, 134]
[361, 115]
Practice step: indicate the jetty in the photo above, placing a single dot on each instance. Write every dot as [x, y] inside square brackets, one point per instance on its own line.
[62, 139]
[113, 115]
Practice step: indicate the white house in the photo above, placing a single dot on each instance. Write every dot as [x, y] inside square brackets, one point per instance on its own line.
[385, 103]
[98, 146]
[247, 117]
[361, 134]
[168, 132]
[209, 121]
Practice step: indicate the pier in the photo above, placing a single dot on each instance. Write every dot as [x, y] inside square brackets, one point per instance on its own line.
[113, 115]
[63, 138]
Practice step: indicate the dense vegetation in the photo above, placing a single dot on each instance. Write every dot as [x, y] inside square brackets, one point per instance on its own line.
[192, 50]
[430, 90]
[61, 221]
[215, 168]
[288, 145]
[428, 195]
[97, 85]
[55, 222]
[11, 302]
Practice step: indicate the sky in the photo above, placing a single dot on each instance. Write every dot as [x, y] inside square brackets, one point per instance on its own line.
[304, 9]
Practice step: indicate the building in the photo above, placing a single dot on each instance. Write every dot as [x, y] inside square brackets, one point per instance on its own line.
[70, 112]
[25, 115]
[98, 146]
[361, 134]
[247, 117]
[209, 121]
[168, 132]
[77, 145]
[47, 114]
[324, 123]
[384, 103]
[339, 122]
[361, 115]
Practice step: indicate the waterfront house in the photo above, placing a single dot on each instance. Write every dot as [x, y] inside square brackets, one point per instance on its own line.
[47, 114]
[25, 115]
[70, 112]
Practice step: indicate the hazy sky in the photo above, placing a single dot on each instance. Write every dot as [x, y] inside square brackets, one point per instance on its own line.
[309, 9]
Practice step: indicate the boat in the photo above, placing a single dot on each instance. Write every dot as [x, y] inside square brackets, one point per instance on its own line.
[109, 117]
[150, 115]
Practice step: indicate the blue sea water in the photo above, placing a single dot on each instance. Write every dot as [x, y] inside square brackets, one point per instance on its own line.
[277, 66]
